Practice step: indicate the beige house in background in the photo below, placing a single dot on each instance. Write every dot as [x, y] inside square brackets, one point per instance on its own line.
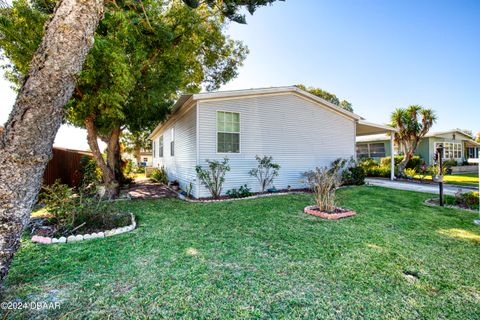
[299, 130]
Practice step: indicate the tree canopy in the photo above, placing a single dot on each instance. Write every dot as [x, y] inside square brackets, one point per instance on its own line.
[325, 95]
[412, 124]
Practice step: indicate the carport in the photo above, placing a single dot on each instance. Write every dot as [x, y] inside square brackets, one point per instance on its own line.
[365, 128]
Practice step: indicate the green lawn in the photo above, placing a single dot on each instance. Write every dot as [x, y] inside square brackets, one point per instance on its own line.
[464, 179]
[264, 258]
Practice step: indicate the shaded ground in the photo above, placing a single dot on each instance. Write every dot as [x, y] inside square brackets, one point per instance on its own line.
[144, 188]
[396, 259]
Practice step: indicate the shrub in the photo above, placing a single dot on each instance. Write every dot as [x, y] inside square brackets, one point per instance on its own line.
[324, 182]
[265, 172]
[213, 177]
[412, 164]
[468, 200]
[368, 163]
[353, 176]
[128, 168]
[70, 211]
[92, 176]
[378, 171]
[450, 163]
[410, 172]
[242, 192]
[160, 175]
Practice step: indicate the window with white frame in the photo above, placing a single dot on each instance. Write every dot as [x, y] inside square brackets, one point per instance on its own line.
[172, 143]
[160, 146]
[228, 132]
[451, 150]
[154, 143]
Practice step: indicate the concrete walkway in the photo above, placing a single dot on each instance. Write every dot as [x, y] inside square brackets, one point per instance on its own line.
[418, 187]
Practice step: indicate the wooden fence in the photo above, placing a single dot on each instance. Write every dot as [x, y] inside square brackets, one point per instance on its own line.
[65, 166]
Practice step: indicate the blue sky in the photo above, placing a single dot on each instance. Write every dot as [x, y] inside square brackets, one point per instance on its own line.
[379, 55]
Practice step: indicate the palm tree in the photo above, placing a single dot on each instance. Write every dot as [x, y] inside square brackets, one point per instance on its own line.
[412, 123]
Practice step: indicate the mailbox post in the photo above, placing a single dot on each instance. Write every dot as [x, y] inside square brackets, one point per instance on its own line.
[439, 157]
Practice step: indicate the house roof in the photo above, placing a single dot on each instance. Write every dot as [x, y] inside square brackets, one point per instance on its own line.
[186, 99]
[384, 137]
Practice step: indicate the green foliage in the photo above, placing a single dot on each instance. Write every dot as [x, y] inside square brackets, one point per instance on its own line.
[242, 192]
[450, 163]
[413, 163]
[353, 176]
[410, 172]
[265, 172]
[230, 8]
[214, 176]
[160, 175]
[92, 176]
[368, 163]
[71, 212]
[378, 171]
[325, 95]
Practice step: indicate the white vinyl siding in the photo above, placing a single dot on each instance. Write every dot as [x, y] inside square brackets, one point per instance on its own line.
[180, 167]
[298, 133]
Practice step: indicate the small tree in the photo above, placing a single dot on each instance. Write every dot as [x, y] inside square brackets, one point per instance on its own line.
[265, 172]
[213, 177]
[324, 182]
[412, 124]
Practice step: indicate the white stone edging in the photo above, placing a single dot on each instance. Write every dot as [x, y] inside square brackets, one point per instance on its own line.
[88, 236]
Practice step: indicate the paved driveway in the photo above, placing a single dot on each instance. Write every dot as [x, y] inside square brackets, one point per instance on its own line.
[418, 187]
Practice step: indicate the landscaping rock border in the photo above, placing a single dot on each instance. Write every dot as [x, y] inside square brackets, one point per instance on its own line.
[88, 236]
[329, 216]
[430, 202]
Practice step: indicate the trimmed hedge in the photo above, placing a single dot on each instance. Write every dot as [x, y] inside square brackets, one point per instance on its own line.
[414, 163]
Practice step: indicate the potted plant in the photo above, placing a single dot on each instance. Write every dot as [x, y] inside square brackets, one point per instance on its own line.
[175, 185]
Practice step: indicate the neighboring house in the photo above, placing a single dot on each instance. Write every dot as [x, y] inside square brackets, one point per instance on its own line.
[458, 146]
[146, 157]
[299, 130]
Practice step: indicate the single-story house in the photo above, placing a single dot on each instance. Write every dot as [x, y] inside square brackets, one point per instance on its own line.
[146, 157]
[299, 130]
[457, 146]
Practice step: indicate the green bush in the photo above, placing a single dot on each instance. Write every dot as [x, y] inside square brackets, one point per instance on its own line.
[450, 163]
[378, 171]
[242, 192]
[72, 212]
[468, 199]
[160, 175]
[353, 176]
[214, 176]
[414, 163]
[368, 163]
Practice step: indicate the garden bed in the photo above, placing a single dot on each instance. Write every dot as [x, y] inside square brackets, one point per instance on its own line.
[338, 214]
[435, 202]
[225, 198]
[90, 233]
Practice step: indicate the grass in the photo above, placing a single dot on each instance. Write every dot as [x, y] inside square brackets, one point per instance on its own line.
[396, 259]
[464, 179]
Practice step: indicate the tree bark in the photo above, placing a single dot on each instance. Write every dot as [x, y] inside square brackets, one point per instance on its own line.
[409, 152]
[108, 175]
[26, 143]
[114, 158]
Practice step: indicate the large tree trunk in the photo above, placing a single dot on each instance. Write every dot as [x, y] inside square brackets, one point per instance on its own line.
[26, 143]
[108, 176]
[114, 159]
[409, 152]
